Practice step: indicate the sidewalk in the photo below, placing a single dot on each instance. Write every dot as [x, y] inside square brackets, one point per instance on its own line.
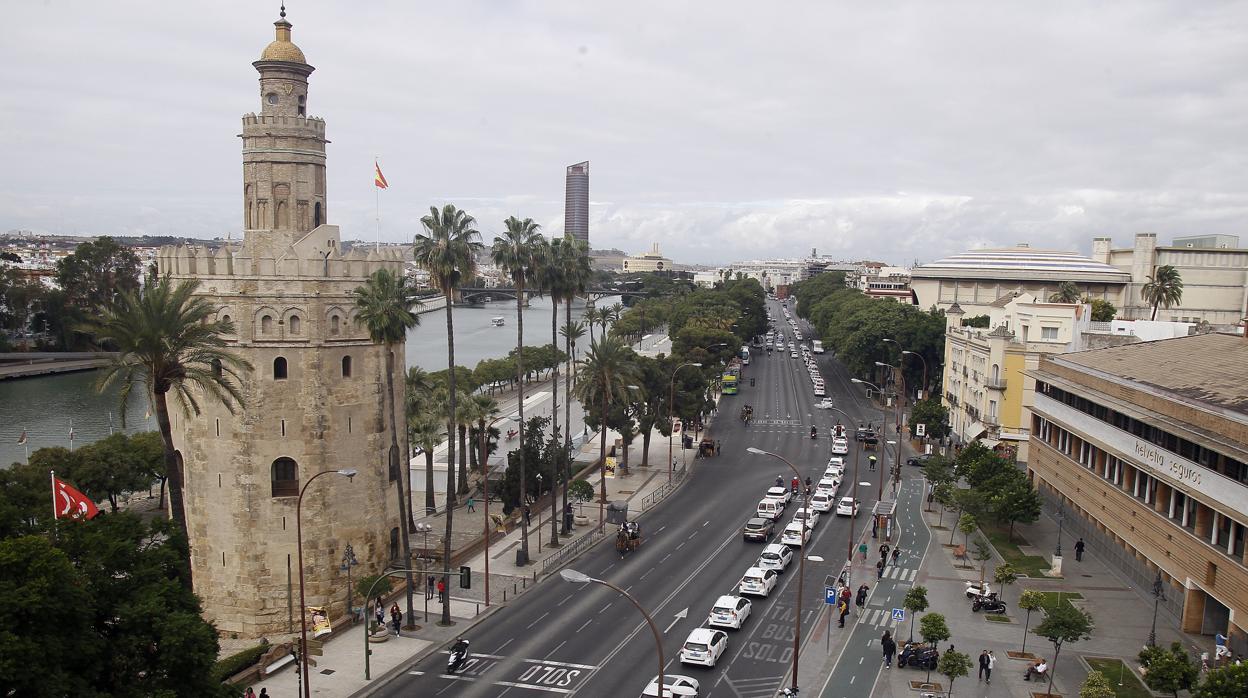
[340, 669]
[1122, 617]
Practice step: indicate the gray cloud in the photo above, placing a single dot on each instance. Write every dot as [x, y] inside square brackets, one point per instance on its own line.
[721, 130]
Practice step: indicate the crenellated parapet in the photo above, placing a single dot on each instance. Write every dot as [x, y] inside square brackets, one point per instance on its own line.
[316, 256]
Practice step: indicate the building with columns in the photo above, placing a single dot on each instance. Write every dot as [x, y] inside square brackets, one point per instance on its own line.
[315, 399]
[1146, 448]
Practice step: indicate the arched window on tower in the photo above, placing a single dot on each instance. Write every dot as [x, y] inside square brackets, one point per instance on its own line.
[225, 321]
[334, 324]
[285, 478]
[346, 367]
[266, 324]
[295, 325]
[316, 215]
[303, 105]
[394, 463]
[279, 368]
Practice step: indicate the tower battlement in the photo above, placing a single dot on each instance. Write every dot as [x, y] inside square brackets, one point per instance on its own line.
[280, 120]
[306, 259]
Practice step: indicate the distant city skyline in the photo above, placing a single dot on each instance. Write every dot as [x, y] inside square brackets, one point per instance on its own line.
[899, 133]
[576, 201]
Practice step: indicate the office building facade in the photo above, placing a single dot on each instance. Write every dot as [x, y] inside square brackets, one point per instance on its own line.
[576, 201]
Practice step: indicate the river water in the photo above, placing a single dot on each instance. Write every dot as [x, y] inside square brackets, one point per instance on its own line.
[44, 406]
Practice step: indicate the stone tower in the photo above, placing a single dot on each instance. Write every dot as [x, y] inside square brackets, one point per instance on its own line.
[315, 398]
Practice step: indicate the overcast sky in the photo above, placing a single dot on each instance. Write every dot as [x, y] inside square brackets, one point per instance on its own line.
[721, 130]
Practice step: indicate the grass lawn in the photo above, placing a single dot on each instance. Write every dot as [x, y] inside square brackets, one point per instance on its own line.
[1051, 598]
[1030, 565]
[1111, 668]
[997, 618]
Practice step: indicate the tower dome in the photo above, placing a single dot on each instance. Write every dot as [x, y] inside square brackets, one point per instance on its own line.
[282, 49]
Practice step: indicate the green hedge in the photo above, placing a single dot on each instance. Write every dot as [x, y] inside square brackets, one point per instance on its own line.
[235, 663]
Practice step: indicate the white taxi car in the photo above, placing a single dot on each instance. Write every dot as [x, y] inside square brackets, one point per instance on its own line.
[704, 646]
[822, 502]
[828, 485]
[795, 534]
[674, 686]
[776, 556]
[810, 518]
[730, 611]
[780, 494]
[840, 446]
[758, 582]
[848, 506]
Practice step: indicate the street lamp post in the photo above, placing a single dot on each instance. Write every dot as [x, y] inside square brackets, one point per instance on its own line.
[879, 496]
[1158, 594]
[348, 561]
[425, 528]
[571, 575]
[1061, 517]
[901, 377]
[303, 608]
[801, 572]
[849, 552]
[671, 414]
[907, 352]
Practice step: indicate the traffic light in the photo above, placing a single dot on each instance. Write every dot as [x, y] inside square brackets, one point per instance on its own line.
[465, 577]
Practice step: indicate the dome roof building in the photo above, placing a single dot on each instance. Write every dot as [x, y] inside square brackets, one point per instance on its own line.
[977, 278]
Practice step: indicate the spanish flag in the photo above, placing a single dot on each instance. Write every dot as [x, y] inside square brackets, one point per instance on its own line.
[379, 179]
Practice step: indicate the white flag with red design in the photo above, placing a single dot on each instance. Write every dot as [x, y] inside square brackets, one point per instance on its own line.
[70, 503]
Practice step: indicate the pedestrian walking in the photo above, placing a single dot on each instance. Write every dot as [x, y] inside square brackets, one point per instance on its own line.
[717, 448]
[264, 693]
[472, 504]
[1079, 546]
[879, 569]
[861, 600]
[843, 607]
[442, 591]
[396, 618]
[992, 663]
[889, 647]
[983, 665]
[379, 611]
[429, 588]
[896, 554]
[862, 550]
[528, 515]
[884, 551]
[249, 693]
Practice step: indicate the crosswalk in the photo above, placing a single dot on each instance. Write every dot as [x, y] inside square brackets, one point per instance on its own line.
[900, 574]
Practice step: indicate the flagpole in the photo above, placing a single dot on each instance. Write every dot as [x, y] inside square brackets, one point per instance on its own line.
[377, 196]
[53, 474]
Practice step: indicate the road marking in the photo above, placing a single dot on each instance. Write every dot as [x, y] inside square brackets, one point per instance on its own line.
[591, 620]
[517, 684]
[565, 599]
[642, 577]
[570, 665]
[681, 615]
[556, 649]
[537, 620]
[665, 558]
[704, 523]
[604, 608]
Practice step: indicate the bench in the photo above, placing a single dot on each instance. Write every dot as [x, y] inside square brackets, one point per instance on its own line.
[960, 552]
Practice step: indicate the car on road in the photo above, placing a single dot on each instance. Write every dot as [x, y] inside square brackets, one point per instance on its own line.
[840, 445]
[730, 611]
[835, 472]
[758, 529]
[823, 501]
[823, 404]
[757, 581]
[836, 460]
[811, 519]
[776, 556]
[828, 485]
[848, 506]
[780, 494]
[769, 508]
[792, 354]
[920, 461]
[795, 534]
[862, 433]
[819, 390]
[674, 686]
[704, 646]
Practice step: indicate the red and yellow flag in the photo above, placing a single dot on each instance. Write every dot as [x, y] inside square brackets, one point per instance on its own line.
[379, 179]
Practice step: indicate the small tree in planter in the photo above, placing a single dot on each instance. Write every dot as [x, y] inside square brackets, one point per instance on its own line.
[1031, 600]
[580, 492]
[1096, 686]
[934, 630]
[953, 664]
[1227, 681]
[1169, 670]
[966, 526]
[1004, 576]
[915, 602]
[983, 553]
[1063, 623]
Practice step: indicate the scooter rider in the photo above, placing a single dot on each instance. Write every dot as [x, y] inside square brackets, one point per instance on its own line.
[459, 652]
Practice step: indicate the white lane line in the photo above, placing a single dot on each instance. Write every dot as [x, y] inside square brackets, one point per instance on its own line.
[490, 656]
[682, 544]
[565, 599]
[704, 523]
[660, 529]
[537, 620]
[556, 649]
[665, 558]
[591, 620]
[570, 665]
[515, 684]
[604, 608]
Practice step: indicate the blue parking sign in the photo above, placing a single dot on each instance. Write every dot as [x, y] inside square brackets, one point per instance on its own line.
[829, 595]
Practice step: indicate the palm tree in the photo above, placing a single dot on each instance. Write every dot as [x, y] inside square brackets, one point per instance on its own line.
[418, 387]
[1067, 292]
[1164, 287]
[386, 305]
[610, 376]
[617, 312]
[464, 419]
[449, 253]
[167, 341]
[513, 252]
[425, 430]
[592, 316]
[485, 410]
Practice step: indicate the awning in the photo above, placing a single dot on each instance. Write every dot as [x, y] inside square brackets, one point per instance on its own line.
[976, 430]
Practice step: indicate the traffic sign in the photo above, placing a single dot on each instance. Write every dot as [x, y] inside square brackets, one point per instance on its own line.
[899, 615]
[829, 595]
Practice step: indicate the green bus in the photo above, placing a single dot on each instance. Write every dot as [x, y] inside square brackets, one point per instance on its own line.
[729, 385]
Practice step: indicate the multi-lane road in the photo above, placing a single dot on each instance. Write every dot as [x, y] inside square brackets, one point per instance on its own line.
[562, 638]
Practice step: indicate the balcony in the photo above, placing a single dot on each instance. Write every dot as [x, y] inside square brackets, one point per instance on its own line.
[997, 383]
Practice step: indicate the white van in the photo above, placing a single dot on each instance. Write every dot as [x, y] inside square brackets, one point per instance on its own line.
[769, 509]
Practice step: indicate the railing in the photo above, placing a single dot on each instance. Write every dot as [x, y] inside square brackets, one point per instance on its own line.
[996, 383]
[573, 549]
[658, 495]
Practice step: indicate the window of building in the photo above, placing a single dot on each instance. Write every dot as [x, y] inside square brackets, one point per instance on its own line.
[225, 321]
[346, 367]
[279, 368]
[394, 463]
[334, 324]
[303, 105]
[266, 324]
[295, 325]
[285, 478]
[1048, 334]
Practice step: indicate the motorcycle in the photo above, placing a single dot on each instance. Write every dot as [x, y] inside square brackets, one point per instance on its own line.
[988, 603]
[918, 655]
[814, 433]
[974, 589]
[459, 653]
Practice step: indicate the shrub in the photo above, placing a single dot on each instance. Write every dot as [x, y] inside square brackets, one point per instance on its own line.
[239, 661]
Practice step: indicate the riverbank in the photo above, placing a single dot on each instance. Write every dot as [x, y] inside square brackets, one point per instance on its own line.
[28, 364]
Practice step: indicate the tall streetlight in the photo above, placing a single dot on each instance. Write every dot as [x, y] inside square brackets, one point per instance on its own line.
[907, 352]
[849, 545]
[879, 495]
[424, 528]
[1158, 594]
[671, 414]
[350, 473]
[570, 575]
[900, 377]
[801, 572]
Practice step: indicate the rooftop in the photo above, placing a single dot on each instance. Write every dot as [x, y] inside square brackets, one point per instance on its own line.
[1022, 262]
[1206, 368]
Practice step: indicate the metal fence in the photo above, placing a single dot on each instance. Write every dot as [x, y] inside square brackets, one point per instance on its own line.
[665, 489]
[571, 550]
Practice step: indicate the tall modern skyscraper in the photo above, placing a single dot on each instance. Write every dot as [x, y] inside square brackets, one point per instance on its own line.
[576, 203]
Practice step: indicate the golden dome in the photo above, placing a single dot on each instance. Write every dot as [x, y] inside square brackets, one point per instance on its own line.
[283, 51]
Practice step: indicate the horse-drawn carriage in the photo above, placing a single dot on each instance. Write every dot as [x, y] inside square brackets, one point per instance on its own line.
[628, 538]
[747, 413]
